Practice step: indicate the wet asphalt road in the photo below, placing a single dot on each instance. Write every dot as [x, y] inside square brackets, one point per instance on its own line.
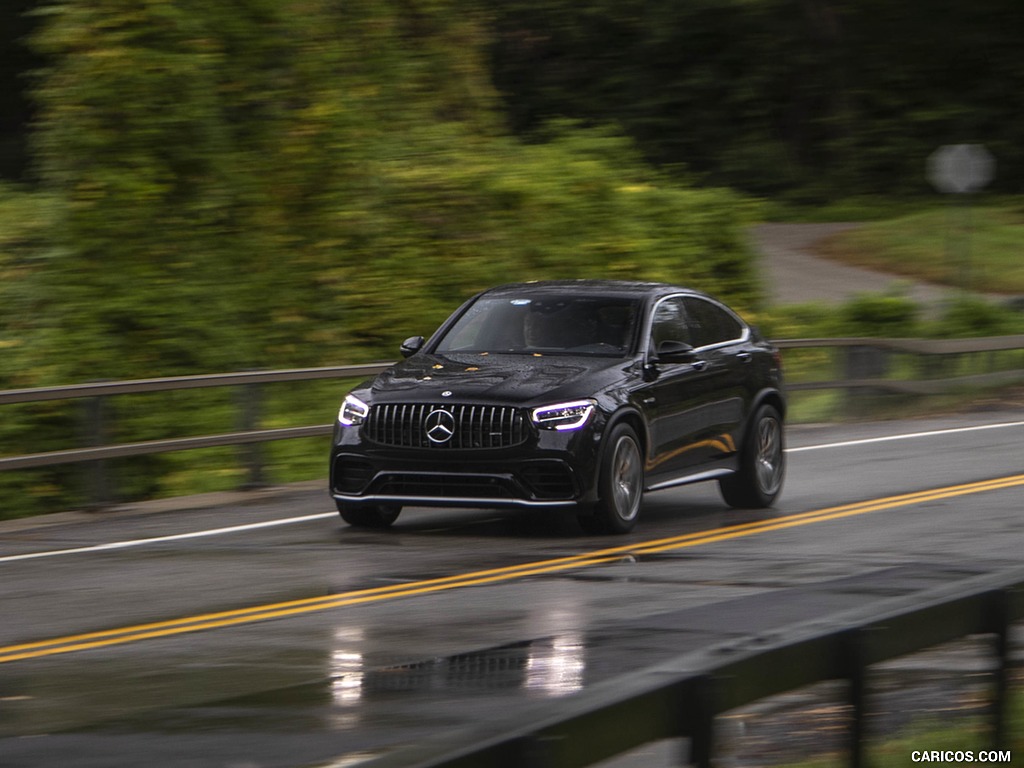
[313, 679]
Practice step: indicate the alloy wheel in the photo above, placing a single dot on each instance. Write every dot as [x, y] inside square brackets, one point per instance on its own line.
[768, 461]
[627, 480]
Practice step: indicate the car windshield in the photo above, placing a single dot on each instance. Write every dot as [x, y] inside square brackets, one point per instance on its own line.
[545, 324]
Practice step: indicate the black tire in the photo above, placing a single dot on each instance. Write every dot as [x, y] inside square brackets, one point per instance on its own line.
[762, 463]
[368, 515]
[620, 484]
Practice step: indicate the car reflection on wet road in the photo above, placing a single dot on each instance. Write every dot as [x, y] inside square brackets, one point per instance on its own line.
[365, 675]
[549, 666]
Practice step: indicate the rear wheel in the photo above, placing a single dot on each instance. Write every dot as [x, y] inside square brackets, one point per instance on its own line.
[368, 515]
[762, 463]
[621, 484]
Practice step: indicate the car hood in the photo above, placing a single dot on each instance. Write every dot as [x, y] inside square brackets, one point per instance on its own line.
[512, 379]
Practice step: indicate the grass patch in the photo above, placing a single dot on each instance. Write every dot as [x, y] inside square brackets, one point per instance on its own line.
[977, 248]
[859, 208]
[928, 733]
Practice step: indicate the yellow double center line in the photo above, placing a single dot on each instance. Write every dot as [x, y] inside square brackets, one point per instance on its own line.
[81, 642]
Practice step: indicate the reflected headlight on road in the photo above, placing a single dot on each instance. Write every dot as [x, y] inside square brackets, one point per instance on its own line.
[563, 416]
[353, 412]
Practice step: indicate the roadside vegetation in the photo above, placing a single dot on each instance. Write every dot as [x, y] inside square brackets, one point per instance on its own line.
[929, 735]
[969, 246]
[893, 316]
[199, 188]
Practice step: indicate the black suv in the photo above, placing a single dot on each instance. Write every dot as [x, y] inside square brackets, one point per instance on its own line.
[574, 394]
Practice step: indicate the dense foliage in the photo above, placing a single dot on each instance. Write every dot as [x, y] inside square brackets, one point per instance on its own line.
[810, 97]
[283, 184]
[268, 183]
[815, 98]
[312, 180]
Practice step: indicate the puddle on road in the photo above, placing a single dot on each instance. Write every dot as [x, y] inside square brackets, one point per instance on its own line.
[349, 692]
[549, 667]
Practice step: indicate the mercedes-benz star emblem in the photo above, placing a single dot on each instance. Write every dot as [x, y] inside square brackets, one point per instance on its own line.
[446, 393]
[439, 425]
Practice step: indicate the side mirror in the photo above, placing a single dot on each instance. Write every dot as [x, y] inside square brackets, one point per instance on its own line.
[674, 352]
[411, 346]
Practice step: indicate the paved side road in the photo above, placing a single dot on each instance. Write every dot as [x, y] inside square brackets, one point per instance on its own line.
[794, 274]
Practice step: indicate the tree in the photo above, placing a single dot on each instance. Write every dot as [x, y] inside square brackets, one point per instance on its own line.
[823, 97]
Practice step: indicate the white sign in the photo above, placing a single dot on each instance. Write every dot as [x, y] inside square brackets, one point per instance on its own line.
[960, 168]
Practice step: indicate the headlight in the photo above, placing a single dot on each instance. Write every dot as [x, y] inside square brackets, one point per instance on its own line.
[353, 411]
[563, 416]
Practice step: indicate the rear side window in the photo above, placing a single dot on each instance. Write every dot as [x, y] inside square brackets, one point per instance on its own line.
[710, 323]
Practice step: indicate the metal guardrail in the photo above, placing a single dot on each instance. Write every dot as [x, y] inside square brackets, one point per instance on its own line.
[174, 383]
[919, 346]
[865, 369]
[867, 363]
[99, 390]
[681, 698]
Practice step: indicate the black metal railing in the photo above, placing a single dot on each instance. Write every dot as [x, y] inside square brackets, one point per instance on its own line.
[680, 699]
[858, 366]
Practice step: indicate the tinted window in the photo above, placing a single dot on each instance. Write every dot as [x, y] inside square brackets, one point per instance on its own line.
[669, 323]
[709, 323]
[544, 324]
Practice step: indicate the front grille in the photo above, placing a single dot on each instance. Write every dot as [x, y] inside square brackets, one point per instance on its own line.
[442, 486]
[465, 426]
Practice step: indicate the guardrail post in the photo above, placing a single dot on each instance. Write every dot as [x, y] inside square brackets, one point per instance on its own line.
[250, 403]
[98, 486]
[533, 750]
[701, 720]
[931, 366]
[1000, 616]
[863, 362]
[852, 649]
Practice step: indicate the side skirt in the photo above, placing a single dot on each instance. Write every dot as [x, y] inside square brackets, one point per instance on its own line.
[711, 474]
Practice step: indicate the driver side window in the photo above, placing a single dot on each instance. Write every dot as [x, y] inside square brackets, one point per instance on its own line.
[669, 323]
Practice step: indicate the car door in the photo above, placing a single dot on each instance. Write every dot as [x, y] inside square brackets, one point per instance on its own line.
[675, 396]
[720, 340]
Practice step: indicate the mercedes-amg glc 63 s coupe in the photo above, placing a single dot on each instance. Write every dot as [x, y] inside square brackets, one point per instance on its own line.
[571, 394]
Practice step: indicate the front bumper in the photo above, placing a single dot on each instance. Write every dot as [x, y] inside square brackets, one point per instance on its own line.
[550, 469]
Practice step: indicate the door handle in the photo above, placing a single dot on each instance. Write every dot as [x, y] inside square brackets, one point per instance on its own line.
[744, 357]
[699, 365]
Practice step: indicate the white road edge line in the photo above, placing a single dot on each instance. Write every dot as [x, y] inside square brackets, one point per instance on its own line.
[172, 537]
[325, 515]
[908, 436]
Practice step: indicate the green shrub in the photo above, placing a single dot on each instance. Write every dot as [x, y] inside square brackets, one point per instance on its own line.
[883, 315]
[967, 317]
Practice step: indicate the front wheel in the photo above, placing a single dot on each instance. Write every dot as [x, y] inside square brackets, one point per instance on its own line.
[620, 486]
[762, 464]
[368, 515]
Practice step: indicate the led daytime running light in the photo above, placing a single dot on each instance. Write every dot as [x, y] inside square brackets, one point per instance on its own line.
[563, 416]
[353, 411]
